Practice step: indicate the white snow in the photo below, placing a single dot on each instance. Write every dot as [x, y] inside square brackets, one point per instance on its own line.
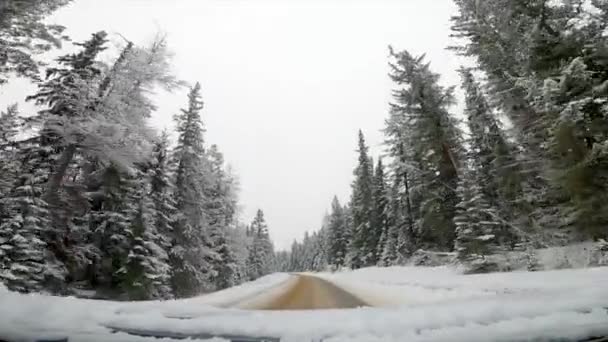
[412, 304]
[32, 317]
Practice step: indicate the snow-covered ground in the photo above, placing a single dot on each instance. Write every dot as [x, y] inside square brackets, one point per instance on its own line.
[413, 304]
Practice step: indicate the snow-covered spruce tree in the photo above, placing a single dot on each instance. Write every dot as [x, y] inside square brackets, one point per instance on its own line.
[111, 227]
[191, 271]
[360, 253]
[226, 271]
[524, 48]
[67, 93]
[503, 35]
[239, 244]
[145, 273]
[337, 236]
[495, 171]
[220, 208]
[395, 222]
[96, 119]
[99, 112]
[492, 33]
[377, 239]
[9, 128]
[566, 84]
[349, 232]
[9, 125]
[26, 262]
[307, 252]
[419, 119]
[578, 143]
[403, 204]
[477, 227]
[262, 251]
[23, 34]
[319, 246]
[161, 192]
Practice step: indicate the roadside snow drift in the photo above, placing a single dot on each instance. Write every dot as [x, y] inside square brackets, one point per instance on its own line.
[412, 304]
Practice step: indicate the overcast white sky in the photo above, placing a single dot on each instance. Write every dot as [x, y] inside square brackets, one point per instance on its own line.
[286, 84]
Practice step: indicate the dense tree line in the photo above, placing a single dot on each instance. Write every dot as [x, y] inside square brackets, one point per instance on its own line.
[92, 199]
[476, 187]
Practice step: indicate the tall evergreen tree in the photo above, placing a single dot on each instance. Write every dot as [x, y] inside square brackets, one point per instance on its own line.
[476, 226]
[26, 262]
[360, 253]
[161, 187]
[527, 49]
[419, 119]
[578, 143]
[262, 251]
[145, 273]
[67, 93]
[495, 169]
[191, 270]
[377, 237]
[337, 234]
[220, 208]
[9, 128]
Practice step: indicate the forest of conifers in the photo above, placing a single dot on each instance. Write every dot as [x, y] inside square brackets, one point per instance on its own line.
[94, 202]
[524, 166]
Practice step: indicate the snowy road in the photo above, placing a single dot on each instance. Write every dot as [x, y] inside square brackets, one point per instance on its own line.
[306, 292]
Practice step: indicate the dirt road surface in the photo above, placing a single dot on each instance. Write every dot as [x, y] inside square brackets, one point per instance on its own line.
[305, 292]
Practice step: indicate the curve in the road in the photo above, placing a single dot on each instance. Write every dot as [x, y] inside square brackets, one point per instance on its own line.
[307, 293]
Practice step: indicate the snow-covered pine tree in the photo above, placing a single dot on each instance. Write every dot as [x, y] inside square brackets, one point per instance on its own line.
[337, 235]
[526, 48]
[26, 262]
[9, 128]
[420, 120]
[220, 208]
[67, 94]
[319, 254]
[191, 270]
[503, 35]
[477, 227]
[359, 252]
[161, 191]
[377, 238]
[227, 269]
[566, 83]
[111, 229]
[262, 251]
[492, 33]
[578, 143]
[145, 273]
[9, 125]
[239, 244]
[395, 219]
[495, 170]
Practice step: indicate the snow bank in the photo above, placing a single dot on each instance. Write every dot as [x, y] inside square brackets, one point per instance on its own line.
[415, 304]
[435, 304]
[579, 255]
[30, 317]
